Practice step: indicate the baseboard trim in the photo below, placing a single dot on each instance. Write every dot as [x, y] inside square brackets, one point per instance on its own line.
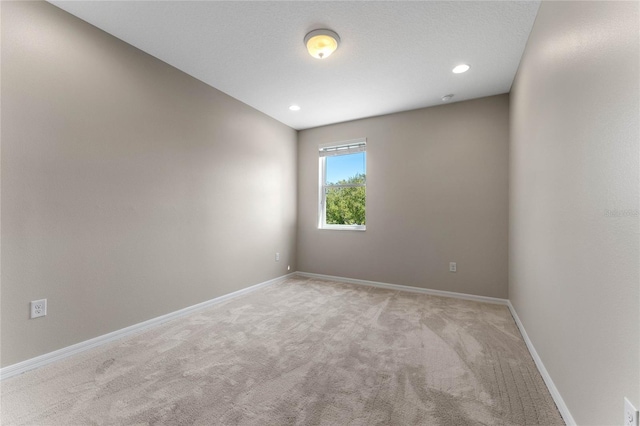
[407, 288]
[48, 358]
[555, 393]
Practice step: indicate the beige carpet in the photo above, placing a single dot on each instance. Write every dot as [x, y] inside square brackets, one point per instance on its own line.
[303, 352]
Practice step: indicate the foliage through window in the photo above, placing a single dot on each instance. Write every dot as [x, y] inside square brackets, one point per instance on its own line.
[343, 182]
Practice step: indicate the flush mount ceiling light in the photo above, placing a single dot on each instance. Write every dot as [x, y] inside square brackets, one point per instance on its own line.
[321, 43]
[294, 108]
[461, 68]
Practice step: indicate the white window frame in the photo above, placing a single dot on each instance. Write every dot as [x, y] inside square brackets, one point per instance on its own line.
[322, 195]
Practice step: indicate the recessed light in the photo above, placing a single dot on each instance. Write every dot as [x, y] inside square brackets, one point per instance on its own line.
[447, 98]
[294, 108]
[461, 68]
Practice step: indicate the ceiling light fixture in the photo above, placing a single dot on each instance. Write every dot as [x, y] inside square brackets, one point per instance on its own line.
[294, 108]
[321, 43]
[461, 68]
[447, 98]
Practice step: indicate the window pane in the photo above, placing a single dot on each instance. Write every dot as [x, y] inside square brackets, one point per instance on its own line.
[346, 206]
[348, 168]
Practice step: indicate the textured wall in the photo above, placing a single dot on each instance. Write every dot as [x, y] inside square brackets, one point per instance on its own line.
[574, 160]
[129, 189]
[436, 192]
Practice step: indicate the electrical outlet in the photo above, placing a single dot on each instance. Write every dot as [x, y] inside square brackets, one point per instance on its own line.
[453, 267]
[288, 267]
[630, 414]
[38, 308]
[277, 257]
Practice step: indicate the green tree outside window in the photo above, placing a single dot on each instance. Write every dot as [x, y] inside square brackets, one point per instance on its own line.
[346, 205]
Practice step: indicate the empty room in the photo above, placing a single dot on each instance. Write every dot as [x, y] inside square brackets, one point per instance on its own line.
[320, 213]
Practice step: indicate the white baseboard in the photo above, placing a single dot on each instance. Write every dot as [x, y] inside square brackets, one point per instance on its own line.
[555, 394]
[557, 398]
[39, 361]
[411, 289]
[48, 358]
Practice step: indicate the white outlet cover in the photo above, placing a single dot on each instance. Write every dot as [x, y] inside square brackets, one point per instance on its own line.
[630, 414]
[38, 308]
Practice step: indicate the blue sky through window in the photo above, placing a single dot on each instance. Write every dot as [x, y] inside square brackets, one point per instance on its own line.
[342, 167]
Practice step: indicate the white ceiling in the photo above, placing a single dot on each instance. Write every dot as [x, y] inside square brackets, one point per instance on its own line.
[394, 56]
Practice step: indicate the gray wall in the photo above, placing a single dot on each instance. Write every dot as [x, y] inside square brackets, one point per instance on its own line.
[436, 192]
[574, 154]
[129, 189]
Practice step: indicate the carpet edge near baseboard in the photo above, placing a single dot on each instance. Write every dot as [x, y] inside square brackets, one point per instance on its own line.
[62, 353]
[555, 393]
[442, 293]
[59, 354]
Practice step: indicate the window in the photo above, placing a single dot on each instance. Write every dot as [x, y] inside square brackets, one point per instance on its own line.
[343, 171]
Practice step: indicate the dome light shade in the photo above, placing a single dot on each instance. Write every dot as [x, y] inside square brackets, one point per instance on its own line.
[321, 43]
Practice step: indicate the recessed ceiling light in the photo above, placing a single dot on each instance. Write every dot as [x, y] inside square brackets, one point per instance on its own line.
[461, 68]
[294, 108]
[447, 98]
[321, 43]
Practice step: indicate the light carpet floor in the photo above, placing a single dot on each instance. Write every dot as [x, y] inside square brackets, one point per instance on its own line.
[303, 352]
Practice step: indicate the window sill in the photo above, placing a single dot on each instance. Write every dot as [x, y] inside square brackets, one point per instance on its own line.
[342, 228]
